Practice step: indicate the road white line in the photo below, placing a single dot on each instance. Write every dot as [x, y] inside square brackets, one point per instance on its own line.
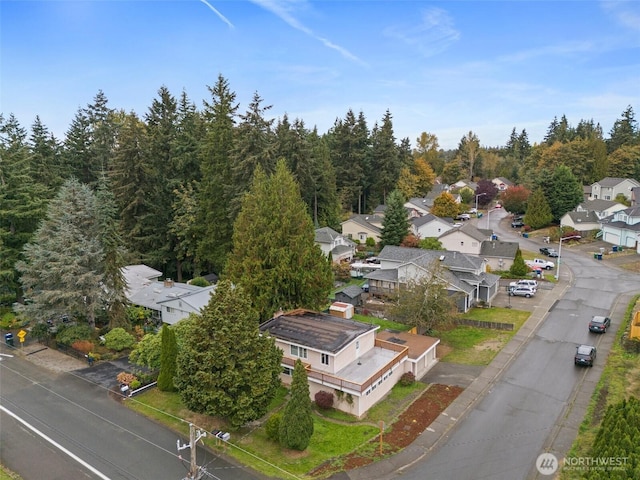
[55, 444]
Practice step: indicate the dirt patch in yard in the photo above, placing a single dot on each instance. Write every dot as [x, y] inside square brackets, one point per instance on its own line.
[409, 425]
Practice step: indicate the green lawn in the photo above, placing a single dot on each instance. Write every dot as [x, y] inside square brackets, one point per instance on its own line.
[478, 346]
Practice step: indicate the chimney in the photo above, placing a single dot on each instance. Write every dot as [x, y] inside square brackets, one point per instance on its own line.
[168, 283]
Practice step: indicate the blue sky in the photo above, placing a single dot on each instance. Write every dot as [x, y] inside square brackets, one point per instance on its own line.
[442, 67]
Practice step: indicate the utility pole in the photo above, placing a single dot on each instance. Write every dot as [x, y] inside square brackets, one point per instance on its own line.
[195, 472]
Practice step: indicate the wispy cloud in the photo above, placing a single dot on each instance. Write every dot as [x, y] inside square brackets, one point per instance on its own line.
[565, 49]
[626, 13]
[283, 9]
[431, 36]
[220, 16]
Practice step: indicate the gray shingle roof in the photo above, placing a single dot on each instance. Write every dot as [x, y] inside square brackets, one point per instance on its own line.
[496, 248]
[597, 204]
[351, 291]
[365, 221]
[610, 181]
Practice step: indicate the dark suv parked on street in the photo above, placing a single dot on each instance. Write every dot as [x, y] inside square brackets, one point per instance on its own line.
[585, 355]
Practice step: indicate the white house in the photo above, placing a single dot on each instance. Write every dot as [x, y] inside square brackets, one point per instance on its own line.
[428, 226]
[622, 228]
[344, 357]
[610, 187]
[465, 239]
[331, 242]
[360, 227]
[601, 208]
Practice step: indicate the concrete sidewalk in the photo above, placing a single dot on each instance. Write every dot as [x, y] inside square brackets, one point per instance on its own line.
[439, 430]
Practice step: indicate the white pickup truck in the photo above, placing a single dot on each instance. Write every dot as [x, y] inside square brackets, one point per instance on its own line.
[540, 263]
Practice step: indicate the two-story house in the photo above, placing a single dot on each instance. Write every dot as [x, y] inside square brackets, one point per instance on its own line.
[464, 276]
[465, 239]
[622, 228]
[344, 357]
[360, 227]
[502, 184]
[610, 187]
[331, 242]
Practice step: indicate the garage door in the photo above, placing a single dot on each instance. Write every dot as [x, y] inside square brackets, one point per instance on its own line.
[612, 238]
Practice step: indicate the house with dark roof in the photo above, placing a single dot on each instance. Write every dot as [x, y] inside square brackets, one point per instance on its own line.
[583, 221]
[499, 255]
[341, 355]
[465, 276]
[622, 228]
[350, 294]
[601, 208]
[360, 227]
[331, 242]
[610, 187]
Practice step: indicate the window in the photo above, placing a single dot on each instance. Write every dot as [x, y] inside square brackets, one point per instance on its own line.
[298, 351]
[325, 359]
[169, 310]
[287, 371]
[462, 244]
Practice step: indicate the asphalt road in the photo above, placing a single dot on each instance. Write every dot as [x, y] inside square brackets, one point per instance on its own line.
[517, 420]
[80, 417]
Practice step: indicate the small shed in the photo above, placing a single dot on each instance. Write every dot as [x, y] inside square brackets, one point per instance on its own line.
[351, 294]
[341, 310]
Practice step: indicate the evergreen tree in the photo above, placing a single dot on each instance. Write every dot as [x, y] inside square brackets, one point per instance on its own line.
[76, 149]
[538, 210]
[274, 255]
[224, 366]
[625, 131]
[130, 178]
[395, 224]
[325, 205]
[253, 146]
[23, 204]
[385, 160]
[518, 267]
[184, 226]
[159, 242]
[102, 132]
[216, 190]
[349, 146]
[45, 160]
[168, 356]
[63, 271]
[566, 192]
[115, 300]
[296, 425]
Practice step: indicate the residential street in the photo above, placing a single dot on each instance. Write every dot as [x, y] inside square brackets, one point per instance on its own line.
[81, 418]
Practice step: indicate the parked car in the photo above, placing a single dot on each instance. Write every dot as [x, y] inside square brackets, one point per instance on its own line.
[585, 355]
[549, 252]
[517, 224]
[498, 205]
[599, 324]
[522, 291]
[532, 284]
[473, 211]
[463, 217]
[541, 263]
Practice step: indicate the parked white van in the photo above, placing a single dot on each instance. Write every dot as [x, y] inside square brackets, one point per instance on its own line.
[532, 284]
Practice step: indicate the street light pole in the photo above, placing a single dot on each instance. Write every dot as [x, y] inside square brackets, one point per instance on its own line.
[478, 195]
[560, 250]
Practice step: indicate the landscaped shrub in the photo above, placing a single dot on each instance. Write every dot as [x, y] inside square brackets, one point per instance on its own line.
[126, 378]
[118, 339]
[200, 282]
[324, 400]
[84, 346]
[407, 378]
[135, 384]
[272, 426]
[40, 331]
[68, 335]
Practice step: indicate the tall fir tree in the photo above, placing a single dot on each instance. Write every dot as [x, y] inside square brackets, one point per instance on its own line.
[566, 192]
[296, 425]
[224, 366]
[216, 190]
[23, 204]
[63, 271]
[538, 210]
[168, 357]
[274, 255]
[385, 161]
[395, 224]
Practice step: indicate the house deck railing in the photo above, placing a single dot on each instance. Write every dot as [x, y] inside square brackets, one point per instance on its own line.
[341, 383]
